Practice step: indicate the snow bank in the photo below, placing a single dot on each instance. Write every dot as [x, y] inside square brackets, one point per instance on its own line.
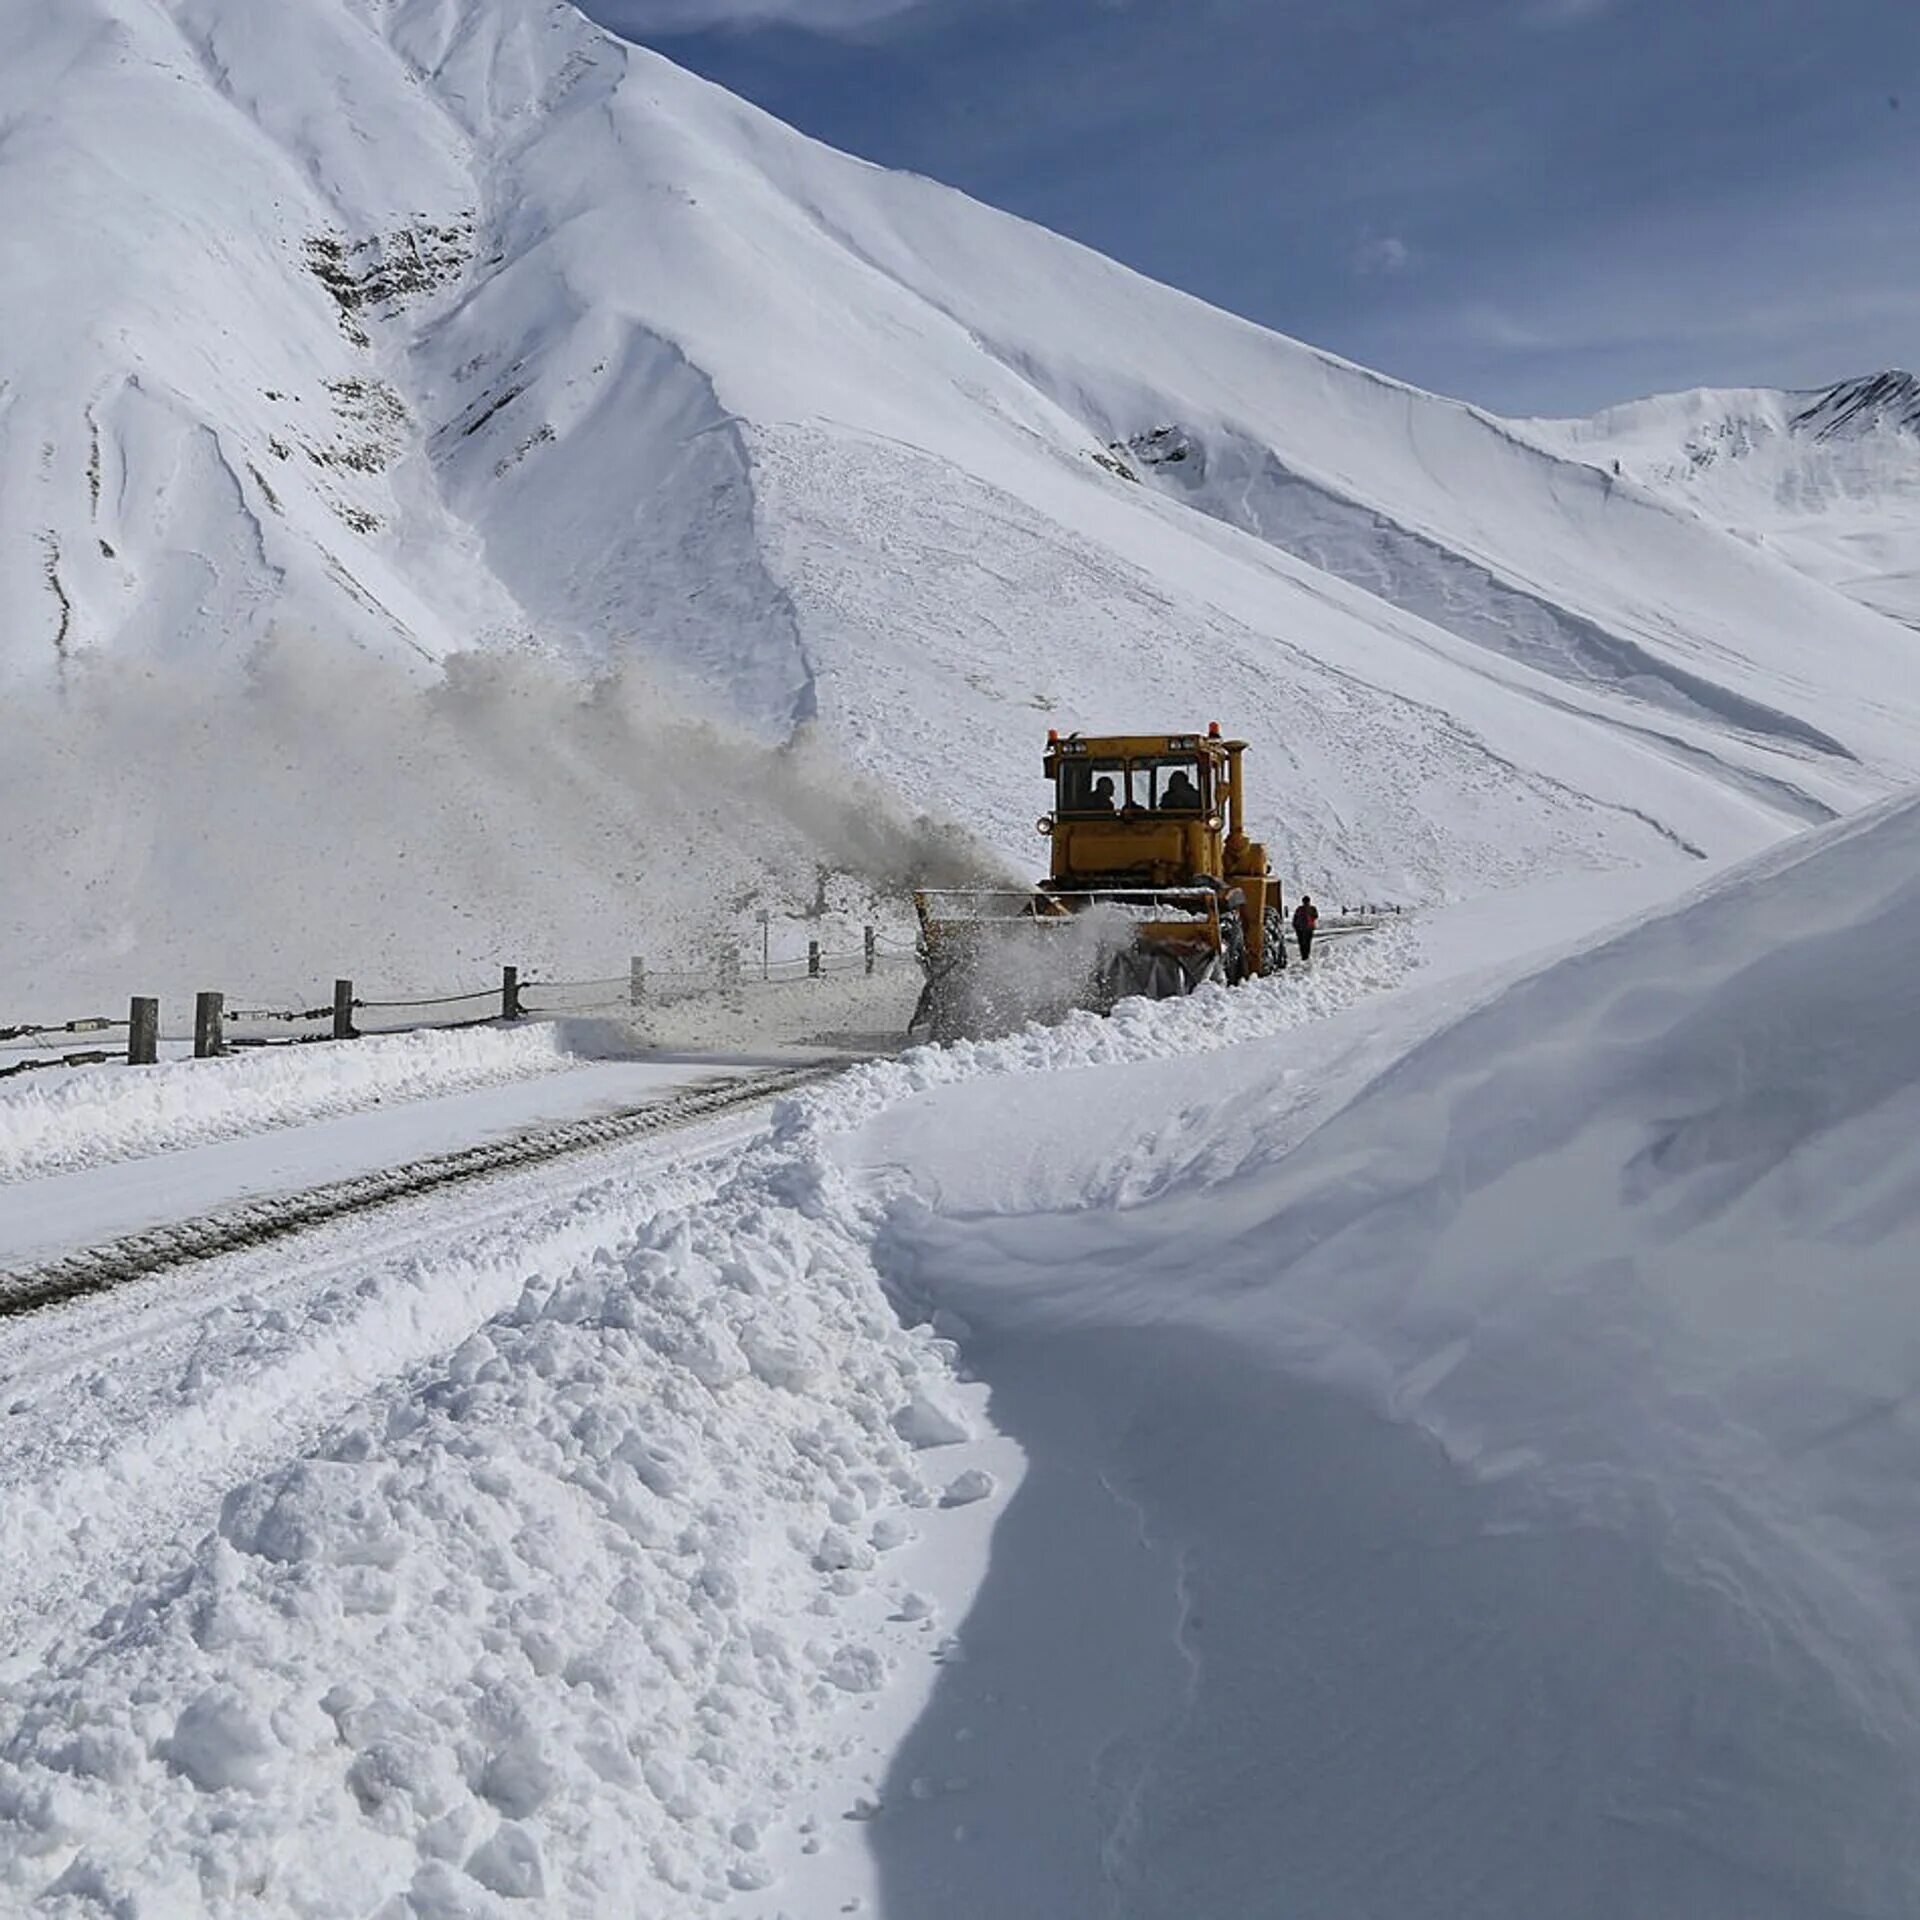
[1502, 1497]
[563, 1621]
[115, 1113]
[574, 1615]
[1214, 1020]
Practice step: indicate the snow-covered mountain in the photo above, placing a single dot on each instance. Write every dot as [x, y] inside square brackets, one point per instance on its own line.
[470, 491]
[1829, 479]
[380, 332]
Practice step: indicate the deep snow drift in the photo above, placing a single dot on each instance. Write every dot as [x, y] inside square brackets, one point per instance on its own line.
[409, 330]
[1499, 1486]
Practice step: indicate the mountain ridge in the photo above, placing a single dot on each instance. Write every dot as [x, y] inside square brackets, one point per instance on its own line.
[1826, 478]
[1888, 399]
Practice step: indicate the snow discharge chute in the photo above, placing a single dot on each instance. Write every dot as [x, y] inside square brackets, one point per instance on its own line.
[1154, 890]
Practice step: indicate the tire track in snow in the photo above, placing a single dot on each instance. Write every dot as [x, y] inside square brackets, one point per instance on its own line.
[235, 1229]
[144, 1441]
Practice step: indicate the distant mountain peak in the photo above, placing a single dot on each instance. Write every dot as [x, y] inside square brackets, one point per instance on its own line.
[1890, 399]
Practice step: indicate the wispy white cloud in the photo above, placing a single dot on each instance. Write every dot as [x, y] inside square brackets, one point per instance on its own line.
[1657, 319]
[643, 17]
[1377, 254]
[1564, 13]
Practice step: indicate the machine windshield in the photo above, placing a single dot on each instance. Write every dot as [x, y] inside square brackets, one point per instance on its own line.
[1171, 783]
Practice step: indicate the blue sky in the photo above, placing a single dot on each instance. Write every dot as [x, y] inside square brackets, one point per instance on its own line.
[1542, 205]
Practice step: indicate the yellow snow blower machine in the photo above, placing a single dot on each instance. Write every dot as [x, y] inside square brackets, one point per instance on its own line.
[1155, 890]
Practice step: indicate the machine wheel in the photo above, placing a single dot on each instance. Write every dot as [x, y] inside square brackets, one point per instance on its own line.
[1233, 948]
[1273, 944]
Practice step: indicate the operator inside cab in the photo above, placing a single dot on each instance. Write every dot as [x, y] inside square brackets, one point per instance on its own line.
[1092, 786]
[1170, 785]
[1181, 794]
[1101, 787]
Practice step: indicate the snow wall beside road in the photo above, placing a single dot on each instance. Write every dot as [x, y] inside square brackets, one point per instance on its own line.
[1498, 1494]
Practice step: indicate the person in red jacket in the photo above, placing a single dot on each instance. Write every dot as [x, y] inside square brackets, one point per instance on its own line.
[1306, 916]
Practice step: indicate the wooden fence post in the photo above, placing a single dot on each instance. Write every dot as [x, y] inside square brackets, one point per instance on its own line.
[209, 1013]
[636, 982]
[509, 993]
[870, 950]
[813, 959]
[343, 1010]
[143, 1032]
[730, 975]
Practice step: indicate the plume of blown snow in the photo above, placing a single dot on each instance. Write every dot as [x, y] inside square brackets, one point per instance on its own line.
[320, 813]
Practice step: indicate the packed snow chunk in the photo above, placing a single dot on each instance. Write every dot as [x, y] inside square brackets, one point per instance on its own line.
[714, 1357]
[219, 1741]
[889, 1531]
[856, 1669]
[976, 1483]
[315, 1510]
[401, 1770]
[931, 1420]
[449, 1837]
[86, 1883]
[839, 1550]
[749, 1875]
[519, 1778]
[442, 1892]
[778, 1356]
[470, 1360]
[509, 1863]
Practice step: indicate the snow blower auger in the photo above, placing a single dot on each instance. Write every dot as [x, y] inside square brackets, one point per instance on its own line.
[1155, 890]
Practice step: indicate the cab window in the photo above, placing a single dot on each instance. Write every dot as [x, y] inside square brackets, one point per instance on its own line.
[1092, 786]
[1171, 784]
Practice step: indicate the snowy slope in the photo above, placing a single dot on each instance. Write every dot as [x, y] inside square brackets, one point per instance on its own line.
[1829, 480]
[408, 329]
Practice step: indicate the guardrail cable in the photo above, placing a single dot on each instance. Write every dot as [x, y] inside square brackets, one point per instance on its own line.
[95, 1059]
[444, 1000]
[93, 1023]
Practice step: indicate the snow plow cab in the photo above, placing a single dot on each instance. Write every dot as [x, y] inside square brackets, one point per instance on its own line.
[1155, 889]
